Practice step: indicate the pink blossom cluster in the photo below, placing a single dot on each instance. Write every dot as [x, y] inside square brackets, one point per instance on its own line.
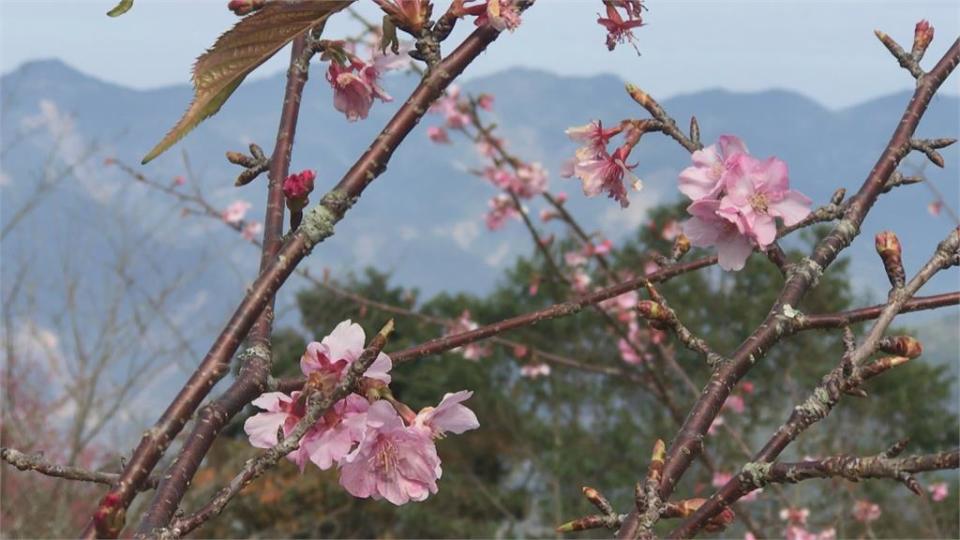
[471, 351]
[529, 180]
[502, 209]
[599, 170]
[736, 200]
[379, 453]
[356, 82]
[620, 28]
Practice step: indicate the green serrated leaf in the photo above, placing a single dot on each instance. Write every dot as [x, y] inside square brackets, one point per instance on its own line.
[121, 8]
[251, 42]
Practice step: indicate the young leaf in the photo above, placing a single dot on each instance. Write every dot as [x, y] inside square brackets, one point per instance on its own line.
[220, 70]
[121, 8]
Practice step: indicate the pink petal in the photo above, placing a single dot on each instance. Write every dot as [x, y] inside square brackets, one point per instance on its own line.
[793, 208]
[697, 182]
[380, 368]
[262, 428]
[345, 342]
[733, 251]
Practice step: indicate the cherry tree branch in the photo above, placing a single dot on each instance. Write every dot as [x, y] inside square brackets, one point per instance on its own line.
[37, 463]
[257, 358]
[689, 440]
[318, 224]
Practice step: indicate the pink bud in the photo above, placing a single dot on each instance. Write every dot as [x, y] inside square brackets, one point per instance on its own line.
[438, 135]
[298, 186]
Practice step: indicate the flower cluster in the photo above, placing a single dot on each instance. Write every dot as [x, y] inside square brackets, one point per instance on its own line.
[736, 200]
[383, 449]
[599, 170]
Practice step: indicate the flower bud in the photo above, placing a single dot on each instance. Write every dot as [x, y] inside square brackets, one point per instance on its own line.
[888, 246]
[653, 311]
[244, 7]
[922, 36]
[297, 187]
[239, 158]
[681, 245]
[582, 524]
[598, 500]
[901, 346]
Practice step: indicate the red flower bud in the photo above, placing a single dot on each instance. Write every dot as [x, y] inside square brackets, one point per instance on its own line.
[922, 36]
[297, 187]
[244, 7]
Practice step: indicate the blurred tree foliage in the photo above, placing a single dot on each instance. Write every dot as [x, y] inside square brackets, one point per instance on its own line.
[540, 440]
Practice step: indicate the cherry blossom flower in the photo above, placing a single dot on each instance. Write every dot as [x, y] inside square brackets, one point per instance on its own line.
[606, 174]
[485, 102]
[448, 416]
[935, 207]
[720, 479]
[501, 210]
[449, 107]
[356, 84]
[703, 178]
[756, 193]
[438, 135]
[593, 137]
[706, 228]
[580, 281]
[627, 352]
[251, 230]
[179, 180]
[938, 491]
[235, 212]
[325, 443]
[534, 370]
[747, 387]
[865, 511]
[547, 215]
[735, 404]
[618, 29]
[338, 350]
[471, 351]
[393, 461]
[795, 516]
[499, 14]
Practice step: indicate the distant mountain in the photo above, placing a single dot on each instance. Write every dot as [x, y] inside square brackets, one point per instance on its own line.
[423, 219]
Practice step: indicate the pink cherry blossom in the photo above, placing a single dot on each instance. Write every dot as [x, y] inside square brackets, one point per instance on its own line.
[865, 511]
[747, 387]
[756, 193]
[236, 211]
[935, 207]
[706, 229]
[393, 461]
[179, 181]
[449, 107]
[627, 352]
[501, 210]
[438, 135]
[325, 443]
[251, 230]
[703, 178]
[534, 370]
[448, 416]
[795, 516]
[499, 14]
[735, 404]
[356, 84]
[720, 479]
[547, 215]
[671, 230]
[619, 30]
[580, 281]
[603, 248]
[606, 174]
[340, 349]
[485, 102]
[593, 138]
[938, 491]
[471, 351]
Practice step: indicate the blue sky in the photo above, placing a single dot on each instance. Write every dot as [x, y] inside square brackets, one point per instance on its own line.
[824, 49]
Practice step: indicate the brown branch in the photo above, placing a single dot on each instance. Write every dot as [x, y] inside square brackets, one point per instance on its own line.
[255, 369]
[318, 403]
[804, 275]
[847, 376]
[318, 225]
[36, 462]
[858, 468]
[844, 318]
